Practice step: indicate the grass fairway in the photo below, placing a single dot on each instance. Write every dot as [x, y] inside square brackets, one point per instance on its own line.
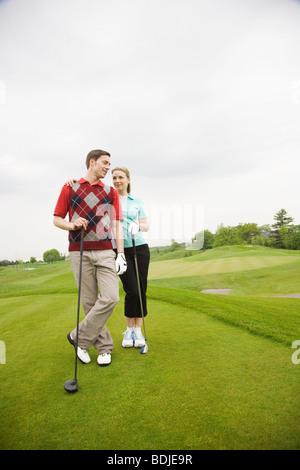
[246, 270]
[218, 374]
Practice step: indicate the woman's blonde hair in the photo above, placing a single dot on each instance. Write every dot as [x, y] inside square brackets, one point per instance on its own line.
[126, 171]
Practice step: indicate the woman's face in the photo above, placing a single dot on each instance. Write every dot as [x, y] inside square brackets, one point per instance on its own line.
[120, 180]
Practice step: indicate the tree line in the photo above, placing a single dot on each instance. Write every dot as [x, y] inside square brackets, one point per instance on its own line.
[281, 234]
[50, 256]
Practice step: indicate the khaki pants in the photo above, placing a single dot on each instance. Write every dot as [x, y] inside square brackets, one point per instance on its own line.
[98, 268]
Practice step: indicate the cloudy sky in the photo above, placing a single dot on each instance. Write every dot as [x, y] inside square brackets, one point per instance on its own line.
[200, 99]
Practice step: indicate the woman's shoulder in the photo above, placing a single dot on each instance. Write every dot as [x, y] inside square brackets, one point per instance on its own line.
[136, 199]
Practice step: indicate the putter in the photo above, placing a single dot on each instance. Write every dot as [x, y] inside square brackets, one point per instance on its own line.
[71, 385]
[144, 349]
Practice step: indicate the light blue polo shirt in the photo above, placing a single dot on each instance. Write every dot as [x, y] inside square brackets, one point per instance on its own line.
[133, 209]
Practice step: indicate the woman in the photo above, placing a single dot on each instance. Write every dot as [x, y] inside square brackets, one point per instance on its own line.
[135, 222]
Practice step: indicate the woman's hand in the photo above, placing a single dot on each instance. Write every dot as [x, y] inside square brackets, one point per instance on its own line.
[133, 228]
[71, 182]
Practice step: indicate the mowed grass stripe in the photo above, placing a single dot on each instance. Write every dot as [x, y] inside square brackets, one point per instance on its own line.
[177, 268]
[269, 281]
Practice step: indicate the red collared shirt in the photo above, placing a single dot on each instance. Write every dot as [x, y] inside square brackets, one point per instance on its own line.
[99, 204]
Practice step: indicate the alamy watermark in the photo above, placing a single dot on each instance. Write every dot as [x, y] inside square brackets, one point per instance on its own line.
[2, 92]
[177, 222]
[296, 354]
[2, 353]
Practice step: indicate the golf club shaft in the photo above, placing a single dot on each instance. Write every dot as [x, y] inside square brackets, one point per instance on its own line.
[138, 283]
[79, 291]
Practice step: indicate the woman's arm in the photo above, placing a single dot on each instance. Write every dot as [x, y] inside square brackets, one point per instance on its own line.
[118, 235]
[143, 224]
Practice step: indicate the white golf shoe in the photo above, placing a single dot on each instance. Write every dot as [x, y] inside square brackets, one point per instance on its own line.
[104, 359]
[82, 354]
[138, 338]
[127, 340]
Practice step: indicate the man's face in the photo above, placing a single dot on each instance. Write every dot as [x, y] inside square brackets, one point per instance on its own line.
[100, 166]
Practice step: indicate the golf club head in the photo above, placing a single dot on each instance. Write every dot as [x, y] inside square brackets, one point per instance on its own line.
[144, 349]
[71, 385]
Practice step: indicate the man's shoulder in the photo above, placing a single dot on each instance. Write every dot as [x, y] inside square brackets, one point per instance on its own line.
[76, 186]
[100, 187]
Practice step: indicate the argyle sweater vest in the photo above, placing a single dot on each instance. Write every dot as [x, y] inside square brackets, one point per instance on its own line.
[95, 204]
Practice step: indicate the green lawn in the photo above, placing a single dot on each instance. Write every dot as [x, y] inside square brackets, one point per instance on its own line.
[255, 271]
[218, 374]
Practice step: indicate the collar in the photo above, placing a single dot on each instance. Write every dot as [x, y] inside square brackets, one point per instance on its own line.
[128, 195]
[83, 180]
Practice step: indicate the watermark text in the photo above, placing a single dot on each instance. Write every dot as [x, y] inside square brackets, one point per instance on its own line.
[2, 353]
[296, 354]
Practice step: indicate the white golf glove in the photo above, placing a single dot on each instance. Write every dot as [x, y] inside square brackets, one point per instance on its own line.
[133, 228]
[121, 264]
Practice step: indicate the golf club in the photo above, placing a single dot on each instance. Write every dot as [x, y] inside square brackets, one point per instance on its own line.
[144, 349]
[71, 385]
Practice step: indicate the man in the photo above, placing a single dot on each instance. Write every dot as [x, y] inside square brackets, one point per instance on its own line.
[95, 207]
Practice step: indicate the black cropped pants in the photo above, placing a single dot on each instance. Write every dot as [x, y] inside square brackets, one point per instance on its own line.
[132, 307]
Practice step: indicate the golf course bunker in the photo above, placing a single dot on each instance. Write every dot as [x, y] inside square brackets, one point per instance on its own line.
[292, 296]
[217, 291]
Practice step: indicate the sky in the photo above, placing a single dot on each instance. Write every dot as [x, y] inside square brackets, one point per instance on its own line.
[199, 99]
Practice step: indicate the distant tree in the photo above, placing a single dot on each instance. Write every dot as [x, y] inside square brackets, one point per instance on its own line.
[226, 236]
[248, 232]
[5, 262]
[201, 241]
[51, 255]
[282, 219]
[292, 240]
[208, 241]
[174, 246]
[32, 259]
[264, 237]
[281, 228]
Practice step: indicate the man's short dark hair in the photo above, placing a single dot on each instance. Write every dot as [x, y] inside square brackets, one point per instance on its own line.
[95, 154]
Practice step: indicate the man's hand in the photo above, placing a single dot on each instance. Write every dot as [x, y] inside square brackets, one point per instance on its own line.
[71, 226]
[80, 222]
[121, 264]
